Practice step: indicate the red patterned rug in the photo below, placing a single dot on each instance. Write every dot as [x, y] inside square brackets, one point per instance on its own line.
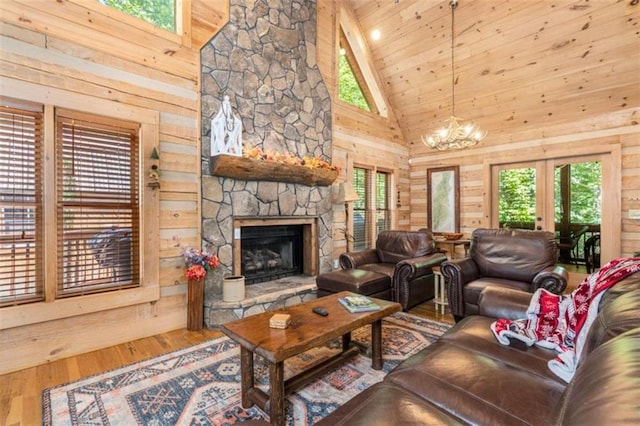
[200, 385]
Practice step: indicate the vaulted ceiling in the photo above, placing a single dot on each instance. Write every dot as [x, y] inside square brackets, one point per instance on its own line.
[524, 68]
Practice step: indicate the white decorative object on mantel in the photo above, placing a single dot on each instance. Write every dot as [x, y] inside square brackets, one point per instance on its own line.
[226, 131]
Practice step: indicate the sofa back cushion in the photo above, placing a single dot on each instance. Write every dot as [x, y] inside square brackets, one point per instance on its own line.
[618, 312]
[396, 246]
[604, 390]
[512, 254]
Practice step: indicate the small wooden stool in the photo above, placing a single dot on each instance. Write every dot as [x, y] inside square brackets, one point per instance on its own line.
[440, 289]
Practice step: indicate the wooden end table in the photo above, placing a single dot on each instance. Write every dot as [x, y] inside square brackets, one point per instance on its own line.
[306, 331]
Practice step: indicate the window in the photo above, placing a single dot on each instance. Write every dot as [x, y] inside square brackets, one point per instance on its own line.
[95, 198]
[351, 85]
[97, 203]
[161, 13]
[371, 212]
[20, 204]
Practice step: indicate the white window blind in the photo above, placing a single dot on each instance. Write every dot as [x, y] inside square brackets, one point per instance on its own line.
[20, 206]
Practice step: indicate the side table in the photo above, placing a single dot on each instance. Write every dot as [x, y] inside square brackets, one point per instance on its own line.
[439, 282]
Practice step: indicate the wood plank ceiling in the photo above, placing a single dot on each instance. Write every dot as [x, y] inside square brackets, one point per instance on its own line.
[524, 68]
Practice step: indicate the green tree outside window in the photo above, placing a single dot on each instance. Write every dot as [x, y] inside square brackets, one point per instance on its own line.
[161, 13]
[348, 88]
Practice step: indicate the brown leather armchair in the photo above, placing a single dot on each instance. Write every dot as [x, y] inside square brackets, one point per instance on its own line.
[407, 258]
[522, 260]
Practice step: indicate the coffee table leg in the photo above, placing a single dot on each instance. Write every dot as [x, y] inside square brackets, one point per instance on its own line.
[376, 345]
[246, 375]
[346, 341]
[276, 397]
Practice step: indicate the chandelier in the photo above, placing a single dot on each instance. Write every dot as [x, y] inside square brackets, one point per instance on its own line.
[455, 134]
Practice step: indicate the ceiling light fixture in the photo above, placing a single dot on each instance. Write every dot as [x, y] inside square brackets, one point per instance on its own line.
[375, 34]
[455, 134]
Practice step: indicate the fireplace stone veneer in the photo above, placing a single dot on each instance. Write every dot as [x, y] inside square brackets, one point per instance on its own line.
[264, 59]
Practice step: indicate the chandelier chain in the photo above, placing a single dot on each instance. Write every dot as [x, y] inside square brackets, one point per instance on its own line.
[456, 134]
[453, 5]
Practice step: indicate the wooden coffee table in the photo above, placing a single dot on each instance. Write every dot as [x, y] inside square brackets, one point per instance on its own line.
[306, 331]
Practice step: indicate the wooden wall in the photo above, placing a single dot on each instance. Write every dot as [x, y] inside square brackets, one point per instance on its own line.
[87, 51]
[360, 138]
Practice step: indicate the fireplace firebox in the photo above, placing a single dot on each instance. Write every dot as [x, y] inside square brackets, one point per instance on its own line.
[271, 252]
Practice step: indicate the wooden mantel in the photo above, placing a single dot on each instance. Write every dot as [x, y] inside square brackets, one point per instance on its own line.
[249, 169]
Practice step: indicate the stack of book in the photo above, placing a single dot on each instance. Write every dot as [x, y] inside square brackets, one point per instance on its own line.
[358, 304]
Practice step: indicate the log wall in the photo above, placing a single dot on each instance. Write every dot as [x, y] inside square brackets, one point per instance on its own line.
[87, 50]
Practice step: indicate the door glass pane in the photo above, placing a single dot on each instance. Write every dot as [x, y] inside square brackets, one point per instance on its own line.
[578, 206]
[517, 198]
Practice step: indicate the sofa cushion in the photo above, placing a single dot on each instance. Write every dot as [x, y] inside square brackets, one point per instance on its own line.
[387, 269]
[605, 389]
[395, 246]
[615, 317]
[513, 254]
[473, 289]
[477, 388]
[475, 332]
[383, 405]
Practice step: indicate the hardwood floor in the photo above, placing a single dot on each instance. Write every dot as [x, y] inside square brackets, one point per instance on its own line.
[21, 391]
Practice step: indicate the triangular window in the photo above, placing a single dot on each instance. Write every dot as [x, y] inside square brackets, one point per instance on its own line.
[351, 85]
[358, 82]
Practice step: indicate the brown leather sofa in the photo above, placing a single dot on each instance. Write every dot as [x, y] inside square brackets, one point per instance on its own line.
[407, 258]
[507, 258]
[467, 377]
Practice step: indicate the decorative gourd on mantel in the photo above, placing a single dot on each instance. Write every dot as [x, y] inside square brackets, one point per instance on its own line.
[244, 168]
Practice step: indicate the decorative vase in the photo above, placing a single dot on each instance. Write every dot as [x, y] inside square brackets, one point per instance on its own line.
[233, 288]
[195, 305]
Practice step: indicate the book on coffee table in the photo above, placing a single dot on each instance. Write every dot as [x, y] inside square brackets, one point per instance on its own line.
[358, 304]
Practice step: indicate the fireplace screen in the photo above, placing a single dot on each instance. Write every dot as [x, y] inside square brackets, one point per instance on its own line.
[271, 252]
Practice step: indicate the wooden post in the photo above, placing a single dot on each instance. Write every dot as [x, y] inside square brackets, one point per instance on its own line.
[195, 305]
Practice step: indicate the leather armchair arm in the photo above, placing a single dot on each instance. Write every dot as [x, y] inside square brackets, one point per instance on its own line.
[354, 259]
[459, 272]
[497, 302]
[409, 269]
[553, 279]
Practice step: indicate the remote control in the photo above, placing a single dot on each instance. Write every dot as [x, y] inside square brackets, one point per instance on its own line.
[320, 311]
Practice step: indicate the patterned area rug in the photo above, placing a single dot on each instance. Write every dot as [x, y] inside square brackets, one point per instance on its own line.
[200, 385]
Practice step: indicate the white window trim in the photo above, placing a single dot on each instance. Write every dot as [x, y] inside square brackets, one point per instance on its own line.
[149, 290]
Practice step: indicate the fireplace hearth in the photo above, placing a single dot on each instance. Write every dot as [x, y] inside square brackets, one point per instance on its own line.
[271, 252]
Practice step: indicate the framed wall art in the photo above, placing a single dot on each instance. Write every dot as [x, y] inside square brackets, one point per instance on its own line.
[443, 199]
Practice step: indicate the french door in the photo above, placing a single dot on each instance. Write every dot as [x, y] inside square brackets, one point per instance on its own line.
[559, 195]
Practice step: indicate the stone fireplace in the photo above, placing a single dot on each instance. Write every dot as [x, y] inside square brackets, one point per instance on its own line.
[264, 60]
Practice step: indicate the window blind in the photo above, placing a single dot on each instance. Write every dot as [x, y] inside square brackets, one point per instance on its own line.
[383, 214]
[97, 204]
[21, 177]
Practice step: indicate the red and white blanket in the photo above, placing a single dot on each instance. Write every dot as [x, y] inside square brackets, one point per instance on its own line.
[562, 322]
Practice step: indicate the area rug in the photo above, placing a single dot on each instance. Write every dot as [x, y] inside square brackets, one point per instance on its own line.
[200, 385]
